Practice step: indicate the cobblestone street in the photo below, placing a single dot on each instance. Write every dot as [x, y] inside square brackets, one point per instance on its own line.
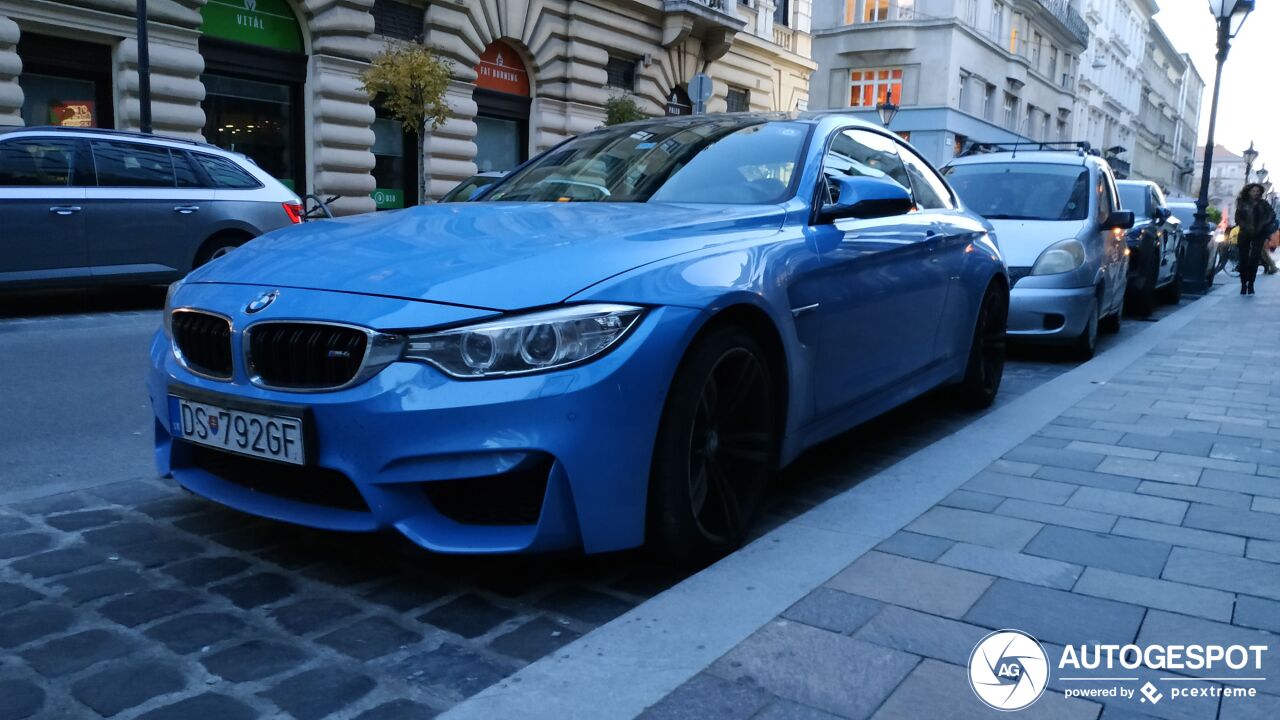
[136, 600]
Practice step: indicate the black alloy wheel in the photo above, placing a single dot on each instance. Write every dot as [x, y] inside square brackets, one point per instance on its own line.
[985, 368]
[717, 449]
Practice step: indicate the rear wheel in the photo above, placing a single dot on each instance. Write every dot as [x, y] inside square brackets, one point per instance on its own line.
[217, 246]
[716, 451]
[1087, 344]
[987, 353]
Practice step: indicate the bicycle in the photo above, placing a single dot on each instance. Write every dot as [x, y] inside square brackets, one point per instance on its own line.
[1228, 255]
[320, 209]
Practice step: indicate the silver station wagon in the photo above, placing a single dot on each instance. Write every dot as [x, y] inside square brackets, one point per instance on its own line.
[84, 207]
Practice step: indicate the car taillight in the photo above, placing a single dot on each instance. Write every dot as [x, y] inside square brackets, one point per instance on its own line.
[294, 211]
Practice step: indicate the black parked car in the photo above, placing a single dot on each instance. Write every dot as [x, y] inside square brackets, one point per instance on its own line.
[1156, 249]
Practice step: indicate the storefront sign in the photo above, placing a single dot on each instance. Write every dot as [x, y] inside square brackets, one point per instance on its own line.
[678, 103]
[77, 113]
[502, 70]
[388, 198]
[269, 23]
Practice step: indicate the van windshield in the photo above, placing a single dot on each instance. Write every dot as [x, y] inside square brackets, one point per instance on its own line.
[1023, 191]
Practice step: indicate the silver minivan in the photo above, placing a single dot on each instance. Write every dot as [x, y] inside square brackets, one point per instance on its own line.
[1058, 222]
[82, 206]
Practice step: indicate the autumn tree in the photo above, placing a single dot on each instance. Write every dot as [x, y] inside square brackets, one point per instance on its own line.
[411, 80]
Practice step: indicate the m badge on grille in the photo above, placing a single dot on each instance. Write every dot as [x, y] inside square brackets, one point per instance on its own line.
[260, 303]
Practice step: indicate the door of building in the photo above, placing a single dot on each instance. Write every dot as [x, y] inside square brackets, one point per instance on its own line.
[502, 117]
[254, 78]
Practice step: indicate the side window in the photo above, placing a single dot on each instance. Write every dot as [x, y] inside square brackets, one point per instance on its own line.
[36, 163]
[225, 174]
[123, 164]
[868, 154]
[1106, 196]
[930, 192]
[183, 172]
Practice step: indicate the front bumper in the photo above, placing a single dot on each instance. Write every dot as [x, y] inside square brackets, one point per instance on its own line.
[586, 433]
[1049, 315]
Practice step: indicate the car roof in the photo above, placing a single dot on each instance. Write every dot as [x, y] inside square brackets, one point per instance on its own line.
[808, 117]
[1145, 183]
[1042, 157]
[103, 133]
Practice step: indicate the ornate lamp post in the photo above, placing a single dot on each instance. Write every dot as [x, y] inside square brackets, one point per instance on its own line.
[1230, 16]
[1250, 157]
[888, 111]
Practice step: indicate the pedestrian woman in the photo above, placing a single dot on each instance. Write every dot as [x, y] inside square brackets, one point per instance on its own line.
[1256, 221]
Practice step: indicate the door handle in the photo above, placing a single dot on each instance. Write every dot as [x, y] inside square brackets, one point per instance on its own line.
[65, 209]
[186, 209]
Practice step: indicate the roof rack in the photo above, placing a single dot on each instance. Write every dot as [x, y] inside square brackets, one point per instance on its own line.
[104, 131]
[1079, 147]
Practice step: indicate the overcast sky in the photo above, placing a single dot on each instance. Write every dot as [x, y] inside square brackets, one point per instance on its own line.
[1249, 103]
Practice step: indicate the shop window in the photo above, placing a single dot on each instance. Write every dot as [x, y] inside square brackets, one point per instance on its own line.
[738, 100]
[132, 165]
[65, 82]
[253, 118]
[395, 19]
[867, 88]
[621, 73]
[36, 163]
[392, 165]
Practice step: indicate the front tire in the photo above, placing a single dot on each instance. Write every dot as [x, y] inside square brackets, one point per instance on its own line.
[1087, 344]
[985, 368]
[716, 450]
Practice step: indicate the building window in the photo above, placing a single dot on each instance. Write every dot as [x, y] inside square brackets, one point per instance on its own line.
[1053, 62]
[971, 12]
[399, 20]
[1044, 129]
[997, 21]
[906, 10]
[867, 88]
[963, 100]
[989, 102]
[738, 100]
[1010, 111]
[621, 73]
[875, 11]
[1062, 129]
[782, 12]
[1036, 40]
[1029, 122]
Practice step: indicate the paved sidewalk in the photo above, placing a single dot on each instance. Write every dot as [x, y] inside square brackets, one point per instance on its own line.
[1147, 513]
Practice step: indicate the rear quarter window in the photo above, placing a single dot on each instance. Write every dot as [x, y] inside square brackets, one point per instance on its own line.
[226, 174]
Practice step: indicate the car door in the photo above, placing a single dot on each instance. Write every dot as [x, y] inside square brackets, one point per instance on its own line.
[950, 235]
[873, 302]
[143, 225]
[1115, 247]
[41, 207]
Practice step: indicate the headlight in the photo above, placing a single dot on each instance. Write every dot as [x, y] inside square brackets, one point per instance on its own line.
[1059, 257]
[523, 344]
[168, 309]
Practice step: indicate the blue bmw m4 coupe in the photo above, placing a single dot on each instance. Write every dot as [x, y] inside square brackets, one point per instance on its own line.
[620, 344]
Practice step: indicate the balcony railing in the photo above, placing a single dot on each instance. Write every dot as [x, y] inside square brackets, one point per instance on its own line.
[1069, 17]
[784, 37]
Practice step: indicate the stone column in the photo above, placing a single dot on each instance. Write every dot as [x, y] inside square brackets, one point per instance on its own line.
[176, 90]
[10, 69]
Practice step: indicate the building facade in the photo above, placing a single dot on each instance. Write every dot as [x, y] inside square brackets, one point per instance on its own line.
[963, 71]
[1169, 116]
[1111, 78]
[280, 79]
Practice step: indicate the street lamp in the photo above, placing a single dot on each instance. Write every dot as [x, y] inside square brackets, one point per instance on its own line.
[888, 111]
[1250, 157]
[1230, 16]
[144, 70]
[1262, 175]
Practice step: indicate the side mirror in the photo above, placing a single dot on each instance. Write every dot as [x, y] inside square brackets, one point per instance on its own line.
[1119, 220]
[1163, 213]
[859, 196]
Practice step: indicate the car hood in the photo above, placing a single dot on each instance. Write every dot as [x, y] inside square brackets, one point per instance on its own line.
[501, 256]
[1022, 241]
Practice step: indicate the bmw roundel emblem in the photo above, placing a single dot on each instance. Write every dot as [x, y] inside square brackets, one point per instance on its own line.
[261, 302]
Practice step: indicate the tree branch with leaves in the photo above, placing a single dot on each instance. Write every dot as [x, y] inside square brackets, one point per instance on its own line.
[411, 81]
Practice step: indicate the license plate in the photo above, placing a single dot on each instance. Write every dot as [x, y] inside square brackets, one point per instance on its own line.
[265, 436]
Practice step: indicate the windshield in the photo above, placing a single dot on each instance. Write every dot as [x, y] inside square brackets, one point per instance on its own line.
[1023, 191]
[726, 160]
[1186, 214]
[1133, 197]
